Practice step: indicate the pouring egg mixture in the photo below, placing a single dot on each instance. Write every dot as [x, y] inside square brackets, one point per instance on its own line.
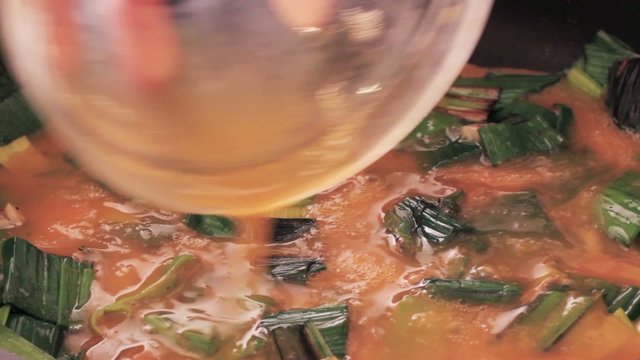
[504, 223]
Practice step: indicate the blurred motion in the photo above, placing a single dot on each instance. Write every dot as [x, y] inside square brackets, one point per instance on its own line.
[235, 106]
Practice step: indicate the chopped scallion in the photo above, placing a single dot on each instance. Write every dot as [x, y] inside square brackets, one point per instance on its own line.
[474, 291]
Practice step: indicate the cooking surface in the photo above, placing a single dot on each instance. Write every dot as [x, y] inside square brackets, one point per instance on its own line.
[548, 35]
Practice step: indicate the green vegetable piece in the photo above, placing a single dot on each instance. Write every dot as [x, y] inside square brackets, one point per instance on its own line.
[502, 142]
[574, 310]
[474, 291]
[291, 229]
[471, 103]
[579, 79]
[475, 93]
[4, 314]
[44, 285]
[188, 339]
[519, 110]
[609, 290]
[13, 343]
[332, 322]
[434, 144]
[564, 119]
[619, 208]
[518, 212]
[292, 269]
[316, 341]
[44, 335]
[539, 310]
[449, 151]
[430, 130]
[524, 110]
[513, 86]
[415, 221]
[169, 280]
[624, 299]
[211, 225]
[602, 53]
[623, 94]
[632, 310]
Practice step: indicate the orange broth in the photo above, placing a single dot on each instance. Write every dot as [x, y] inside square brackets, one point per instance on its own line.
[69, 214]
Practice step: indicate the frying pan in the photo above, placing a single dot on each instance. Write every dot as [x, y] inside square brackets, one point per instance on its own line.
[549, 35]
[546, 35]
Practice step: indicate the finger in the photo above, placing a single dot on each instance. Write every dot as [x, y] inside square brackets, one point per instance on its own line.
[62, 33]
[307, 13]
[146, 43]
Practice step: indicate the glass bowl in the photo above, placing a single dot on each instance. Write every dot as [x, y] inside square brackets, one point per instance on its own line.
[252, 107]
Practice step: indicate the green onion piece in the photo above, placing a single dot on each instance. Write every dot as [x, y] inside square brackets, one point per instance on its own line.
[525, 110]
[43, 285]
[502, 142]
[434, 143]
[623, 94]
[316, 341]
[332, 322]
[625, 300]
[560, 119]
[170, 279]
[564, 119]
[513, 86]
[539, 310]
[188, 339]
[517, 212]
[475, 92]
[290, 229]
[210, 225]
[415, 221]
[292, 269]
[579, 79]
[575, 309]
[619, 208]
[474, 291]
[44, 335]
[430, 130]
[13, 343]
[471, 103]
[4, 314]
[609, 290]
[451, 150]
[632, 310]
[602, 53]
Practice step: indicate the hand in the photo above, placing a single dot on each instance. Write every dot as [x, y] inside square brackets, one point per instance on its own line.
[144, 38]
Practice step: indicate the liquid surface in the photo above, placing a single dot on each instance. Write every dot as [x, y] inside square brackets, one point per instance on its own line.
[69, 214]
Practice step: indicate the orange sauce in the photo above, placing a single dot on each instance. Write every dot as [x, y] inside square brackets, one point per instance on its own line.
[69, 214]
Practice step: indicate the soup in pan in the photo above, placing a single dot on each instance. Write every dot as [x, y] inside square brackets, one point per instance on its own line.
[503, 226]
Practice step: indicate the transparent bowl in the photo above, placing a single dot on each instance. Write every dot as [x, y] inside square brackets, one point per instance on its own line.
[261, 110]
